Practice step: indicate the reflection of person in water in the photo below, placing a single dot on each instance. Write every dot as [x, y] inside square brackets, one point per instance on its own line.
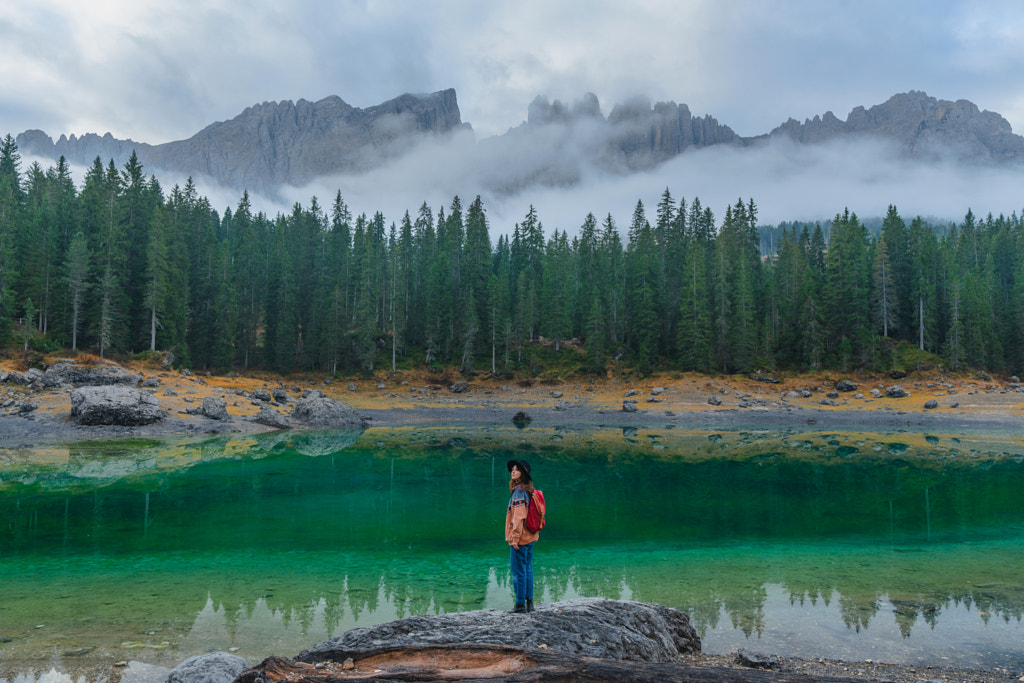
[520, 539]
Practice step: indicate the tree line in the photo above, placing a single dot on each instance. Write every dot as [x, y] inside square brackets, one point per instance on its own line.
[120, 266]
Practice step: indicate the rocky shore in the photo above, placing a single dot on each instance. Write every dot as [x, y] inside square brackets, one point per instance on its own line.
[41, 405]
[586, 639]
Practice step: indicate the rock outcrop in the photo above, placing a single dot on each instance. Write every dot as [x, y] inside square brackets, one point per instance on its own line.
[215, 667]
[114, 405]
[922, 125]
[320, 411]
[67, 373]
[589, 627]
[275, 143]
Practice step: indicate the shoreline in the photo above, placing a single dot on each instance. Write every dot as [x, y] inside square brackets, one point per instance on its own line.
[412, 399]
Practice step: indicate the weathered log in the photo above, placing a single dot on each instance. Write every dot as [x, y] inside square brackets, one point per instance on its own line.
[498, 663]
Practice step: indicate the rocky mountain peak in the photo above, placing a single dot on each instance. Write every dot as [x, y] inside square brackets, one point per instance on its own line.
[924, 126]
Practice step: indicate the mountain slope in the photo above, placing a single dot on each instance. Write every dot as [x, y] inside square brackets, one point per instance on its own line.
[274, 144]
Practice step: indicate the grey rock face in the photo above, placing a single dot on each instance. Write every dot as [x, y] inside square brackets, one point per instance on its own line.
[114, 405]
[922, 125]
[590, 627]
[275, 143]
[845, 385]
[65, 373]
[628, 407]
[271, 418]
[262, 395]
[320, 411]
[215, 667]
[215, 408]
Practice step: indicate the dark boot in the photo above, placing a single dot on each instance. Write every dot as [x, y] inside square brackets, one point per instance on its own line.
[529, 605]
[518, 609]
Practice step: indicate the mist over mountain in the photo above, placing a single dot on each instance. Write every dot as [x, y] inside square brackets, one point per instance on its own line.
[416, 148]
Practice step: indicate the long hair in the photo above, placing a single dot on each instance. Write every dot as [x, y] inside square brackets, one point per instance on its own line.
[524, 481]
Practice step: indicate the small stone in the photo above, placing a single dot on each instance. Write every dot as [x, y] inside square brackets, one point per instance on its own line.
[349, 664]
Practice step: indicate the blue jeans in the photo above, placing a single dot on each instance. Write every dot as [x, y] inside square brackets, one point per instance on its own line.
[522, 572]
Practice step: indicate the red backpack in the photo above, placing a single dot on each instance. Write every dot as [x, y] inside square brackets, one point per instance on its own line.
[535, 512]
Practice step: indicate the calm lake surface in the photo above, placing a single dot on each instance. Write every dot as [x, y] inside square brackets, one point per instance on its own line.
[896, 546]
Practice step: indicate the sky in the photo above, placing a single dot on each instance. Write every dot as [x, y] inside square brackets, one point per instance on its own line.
[161, 71]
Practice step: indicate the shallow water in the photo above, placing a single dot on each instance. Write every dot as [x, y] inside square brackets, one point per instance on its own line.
[896, 547]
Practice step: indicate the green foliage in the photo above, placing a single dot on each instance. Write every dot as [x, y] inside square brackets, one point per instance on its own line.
[119, 266]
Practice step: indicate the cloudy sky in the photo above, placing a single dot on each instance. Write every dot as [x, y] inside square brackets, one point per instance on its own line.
[160, 71]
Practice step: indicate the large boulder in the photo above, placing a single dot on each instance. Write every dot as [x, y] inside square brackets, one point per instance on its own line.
[114, 405]
[64, 373]
[589, 627]
[215, 408]
[271, 418]
[320, 411]
[214, 667]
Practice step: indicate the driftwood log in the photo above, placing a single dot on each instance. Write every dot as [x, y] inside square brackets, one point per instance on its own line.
[497, 663]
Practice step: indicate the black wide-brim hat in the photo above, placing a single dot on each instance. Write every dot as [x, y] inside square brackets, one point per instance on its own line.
[524, 466]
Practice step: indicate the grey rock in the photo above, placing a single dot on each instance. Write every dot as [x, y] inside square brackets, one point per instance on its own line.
[151, 382]
[556, 394]
[215, 667]
[321, 411]
[170, 392]
[714, 401]
[67, 373]
[653, 399]
[459, 387]
[628, 407]
[630, 393]
[657, 391]
[845, 385]
[280, 395]
[896, 391]
[262, 395]
[114, 405]
[276, 143]
[590, 627]
[833, 394]
[307, 393]
[923, 126]
[753, 660]
[27, 407]
[351, 386]
[271, 418]
[215, 408]
[24, 378]
[930, 404]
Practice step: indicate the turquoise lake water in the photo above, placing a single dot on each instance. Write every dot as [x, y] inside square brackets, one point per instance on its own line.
[895, 547]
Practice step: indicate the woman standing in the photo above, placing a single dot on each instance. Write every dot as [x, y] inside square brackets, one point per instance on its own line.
[519, 538]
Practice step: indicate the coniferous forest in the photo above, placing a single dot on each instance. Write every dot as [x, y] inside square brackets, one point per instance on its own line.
[117, 265]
